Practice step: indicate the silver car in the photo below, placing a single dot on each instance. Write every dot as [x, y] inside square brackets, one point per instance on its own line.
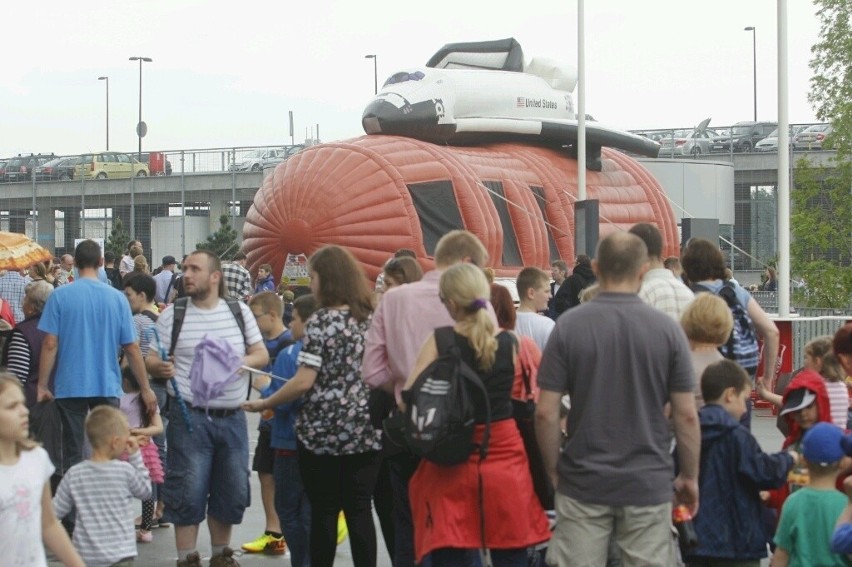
[686, 143]
[770, 143]
[811, 138]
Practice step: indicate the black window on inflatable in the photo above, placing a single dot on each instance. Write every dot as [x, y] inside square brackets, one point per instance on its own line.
[538, 193]
[437, 210]
[511, 252]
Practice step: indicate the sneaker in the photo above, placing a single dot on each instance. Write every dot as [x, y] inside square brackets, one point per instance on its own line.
[144, 536]
[275, 547]
[266, 544]
[226, 559]
[192, 560]
[342, 530]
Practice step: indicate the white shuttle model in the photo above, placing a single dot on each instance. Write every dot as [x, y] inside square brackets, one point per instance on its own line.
[472, 93]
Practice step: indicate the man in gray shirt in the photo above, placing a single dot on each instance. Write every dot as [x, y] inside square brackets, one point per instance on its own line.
[615, 472]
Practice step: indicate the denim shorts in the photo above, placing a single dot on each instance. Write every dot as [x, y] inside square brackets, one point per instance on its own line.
[208, 469]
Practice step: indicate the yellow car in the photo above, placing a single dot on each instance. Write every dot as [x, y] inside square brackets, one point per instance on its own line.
[110, 165]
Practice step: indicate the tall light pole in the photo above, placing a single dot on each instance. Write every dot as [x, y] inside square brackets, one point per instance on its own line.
[375, 73]
[141, 127]
[107, 109]
[753, 31]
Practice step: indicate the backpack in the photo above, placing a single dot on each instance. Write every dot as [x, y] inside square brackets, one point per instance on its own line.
[176, 286]
[742, 346]
[180, 313]
[281, 342]
[439, 416]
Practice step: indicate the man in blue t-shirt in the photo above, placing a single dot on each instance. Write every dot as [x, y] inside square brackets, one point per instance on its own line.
[87, 323]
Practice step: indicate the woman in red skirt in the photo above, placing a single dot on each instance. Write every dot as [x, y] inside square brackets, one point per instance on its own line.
[446, 507]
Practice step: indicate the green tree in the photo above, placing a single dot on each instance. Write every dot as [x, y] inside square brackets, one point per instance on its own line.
[821, 214]
[118, 239]
[223, 242]
[831, 84]
[820, 220]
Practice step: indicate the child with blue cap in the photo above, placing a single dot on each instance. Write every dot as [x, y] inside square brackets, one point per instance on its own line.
[809, 514]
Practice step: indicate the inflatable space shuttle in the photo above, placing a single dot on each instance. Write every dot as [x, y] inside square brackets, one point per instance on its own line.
[473, 93]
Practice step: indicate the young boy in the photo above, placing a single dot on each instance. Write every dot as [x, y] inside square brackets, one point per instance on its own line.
[733, 470]
[805, 403]
[267, 308]
[809, 514]
[534, 292]
[101, 489]
[291, 502]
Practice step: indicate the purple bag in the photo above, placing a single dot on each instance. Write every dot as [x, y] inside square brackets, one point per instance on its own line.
[214, 366]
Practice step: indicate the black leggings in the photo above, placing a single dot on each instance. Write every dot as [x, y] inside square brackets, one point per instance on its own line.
[334, 483]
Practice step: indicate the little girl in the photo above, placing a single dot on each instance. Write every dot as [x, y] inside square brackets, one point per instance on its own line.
[144, 427]
[26, 510]
[820, 359]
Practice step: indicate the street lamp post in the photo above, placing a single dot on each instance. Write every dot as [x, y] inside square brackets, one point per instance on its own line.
[140, 129]
[753, 31]
[375, 73]
[107, 109]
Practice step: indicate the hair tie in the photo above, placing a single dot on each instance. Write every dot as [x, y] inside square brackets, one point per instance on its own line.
[478, 304]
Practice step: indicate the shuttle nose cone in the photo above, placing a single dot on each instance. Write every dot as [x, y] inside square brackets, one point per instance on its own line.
[380, 116]
[392, 114]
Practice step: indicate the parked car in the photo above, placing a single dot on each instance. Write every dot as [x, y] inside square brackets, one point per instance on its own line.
[770, 143]
[283, 155]
[743, 136]
[59, 169]
[687, 143]
[812, 137]
[110, 165]
[158, 163]
[21, 168]
[253, 161]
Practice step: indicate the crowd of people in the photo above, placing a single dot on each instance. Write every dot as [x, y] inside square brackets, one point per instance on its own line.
[616, 398]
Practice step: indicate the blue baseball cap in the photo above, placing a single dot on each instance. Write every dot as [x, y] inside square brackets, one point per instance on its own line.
[821, 444]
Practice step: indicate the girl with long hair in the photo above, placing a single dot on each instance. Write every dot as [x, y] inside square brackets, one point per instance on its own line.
[338, 448]
[27, 520]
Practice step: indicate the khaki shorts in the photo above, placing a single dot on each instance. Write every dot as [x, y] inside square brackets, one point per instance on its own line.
[643, 534]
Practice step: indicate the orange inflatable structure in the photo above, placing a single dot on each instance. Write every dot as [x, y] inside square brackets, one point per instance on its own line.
[376, 194]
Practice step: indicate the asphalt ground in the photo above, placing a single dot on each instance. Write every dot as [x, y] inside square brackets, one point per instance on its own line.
[161, 552]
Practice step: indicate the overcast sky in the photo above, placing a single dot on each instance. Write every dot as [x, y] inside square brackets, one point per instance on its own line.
[227, 73]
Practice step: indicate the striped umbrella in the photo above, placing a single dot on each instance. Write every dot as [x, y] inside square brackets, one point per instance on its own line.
[19, 251]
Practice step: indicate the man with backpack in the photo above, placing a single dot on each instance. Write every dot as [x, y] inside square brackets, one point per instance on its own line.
[406, 316]
[705, 267]
[207, 476]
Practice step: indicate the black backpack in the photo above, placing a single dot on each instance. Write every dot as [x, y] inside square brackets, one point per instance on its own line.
[439, 416]
[742, 346]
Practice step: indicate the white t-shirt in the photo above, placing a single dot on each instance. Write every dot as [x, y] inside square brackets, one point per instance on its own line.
[220, 323]
[21, 488]
[535, 326]
[838, 399]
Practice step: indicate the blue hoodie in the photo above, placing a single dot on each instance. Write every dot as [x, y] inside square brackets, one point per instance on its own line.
[284, 421]
[733, 470]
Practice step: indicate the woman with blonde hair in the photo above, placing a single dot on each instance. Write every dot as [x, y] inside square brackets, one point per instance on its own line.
[707, 322]
[140, 264]
[450, 518]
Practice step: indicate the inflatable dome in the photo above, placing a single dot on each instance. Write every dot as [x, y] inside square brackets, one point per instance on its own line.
[376, 194]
